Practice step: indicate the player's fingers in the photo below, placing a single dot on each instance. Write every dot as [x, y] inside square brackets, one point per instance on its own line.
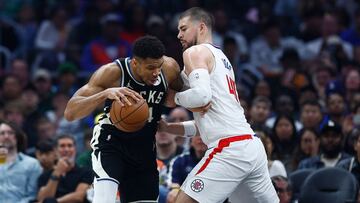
[117, 99]
[125, 99]
[134, 95]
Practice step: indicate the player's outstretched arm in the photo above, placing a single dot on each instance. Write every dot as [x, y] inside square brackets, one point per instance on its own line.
[197, 61]
[185, 129]
[102, 85]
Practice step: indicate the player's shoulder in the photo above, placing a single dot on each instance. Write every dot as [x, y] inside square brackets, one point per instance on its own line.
[197, 51]
[170, 65]
[110, 71]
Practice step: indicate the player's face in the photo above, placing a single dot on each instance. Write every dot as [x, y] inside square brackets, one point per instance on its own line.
[149, 69]
[188, 31]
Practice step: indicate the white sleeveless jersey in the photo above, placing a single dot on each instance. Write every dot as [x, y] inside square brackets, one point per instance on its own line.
[226, 117]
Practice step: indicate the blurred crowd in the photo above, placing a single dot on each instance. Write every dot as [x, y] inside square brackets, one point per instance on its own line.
[297, 67]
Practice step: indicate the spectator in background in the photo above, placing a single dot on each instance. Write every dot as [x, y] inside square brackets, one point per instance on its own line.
[43, 84]
[352, 35]
[27, 25]
[180, 114]
[108, 47]
[336, 108]
[167, 147]
[30, 100]
[224, 30]
[56, 116]
[307, 147]
[45, 154]
[352, 83]
[276, 167]
[181, 166]
[352, 164]
[323, 74]
[283, 188]
[83, 32]
[307, 93]
[284, 105]
[53, 33]
[284, 137]
[67, 78]
[259, 112]
[293, 77]
[45, 129]
[51, 39]
[311, 115]
[262, 88]
[15, 112]
[84, 159]
[135, 23]
[20, 69]
[331, 139]
[11, 88]
[19, 173]
[66, 182]
[267, 50]
[9, 37]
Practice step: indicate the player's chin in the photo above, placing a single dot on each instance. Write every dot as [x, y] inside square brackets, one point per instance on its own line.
[150, 82]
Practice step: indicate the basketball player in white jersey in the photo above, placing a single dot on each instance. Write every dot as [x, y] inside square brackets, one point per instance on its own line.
[235, 161]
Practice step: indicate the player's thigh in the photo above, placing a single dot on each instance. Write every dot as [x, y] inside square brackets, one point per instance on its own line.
[142, 186]
[224, 171]
[258, 182]
[106, 161]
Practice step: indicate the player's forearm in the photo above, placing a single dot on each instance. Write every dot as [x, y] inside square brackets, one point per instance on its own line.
[79, 106]
[186, 128]
[175, 128]
[199, 93]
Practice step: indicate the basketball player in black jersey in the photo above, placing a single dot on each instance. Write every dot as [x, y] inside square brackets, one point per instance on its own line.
[120, 159]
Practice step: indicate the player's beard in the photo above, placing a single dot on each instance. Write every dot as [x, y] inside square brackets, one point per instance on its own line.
[191, 43]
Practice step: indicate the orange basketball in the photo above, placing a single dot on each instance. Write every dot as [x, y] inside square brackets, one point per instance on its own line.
[129, 118]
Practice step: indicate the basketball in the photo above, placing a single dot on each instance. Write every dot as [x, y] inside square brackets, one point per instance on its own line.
[129, 118]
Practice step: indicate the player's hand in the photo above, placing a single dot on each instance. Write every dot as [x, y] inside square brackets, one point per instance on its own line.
[119, 94]
[202, 110]
[163, 125]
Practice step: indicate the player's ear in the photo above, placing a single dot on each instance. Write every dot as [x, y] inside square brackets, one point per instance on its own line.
[134, 62]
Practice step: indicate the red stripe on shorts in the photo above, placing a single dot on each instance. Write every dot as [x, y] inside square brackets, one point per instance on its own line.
[222, 144]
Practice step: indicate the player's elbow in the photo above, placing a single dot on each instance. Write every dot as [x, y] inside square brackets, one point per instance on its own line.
[68, 115]
[202, 97]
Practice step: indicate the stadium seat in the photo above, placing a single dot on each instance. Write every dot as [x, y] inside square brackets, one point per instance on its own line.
[297, 179]
[329, 185]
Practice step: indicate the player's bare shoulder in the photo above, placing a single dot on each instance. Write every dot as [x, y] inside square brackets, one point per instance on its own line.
[171, 70]
[106, 76]
[198, 56]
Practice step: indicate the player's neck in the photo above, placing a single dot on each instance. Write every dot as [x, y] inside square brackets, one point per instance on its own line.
[134, 73]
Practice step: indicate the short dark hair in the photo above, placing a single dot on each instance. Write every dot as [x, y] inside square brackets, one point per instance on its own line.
[65, 136]
[148, 47]
[261, 99]
[199, 14]
[45, 146]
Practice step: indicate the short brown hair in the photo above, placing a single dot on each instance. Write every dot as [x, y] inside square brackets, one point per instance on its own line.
[199, 14]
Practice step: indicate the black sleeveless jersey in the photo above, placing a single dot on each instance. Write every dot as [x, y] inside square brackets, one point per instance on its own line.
[153, 95]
